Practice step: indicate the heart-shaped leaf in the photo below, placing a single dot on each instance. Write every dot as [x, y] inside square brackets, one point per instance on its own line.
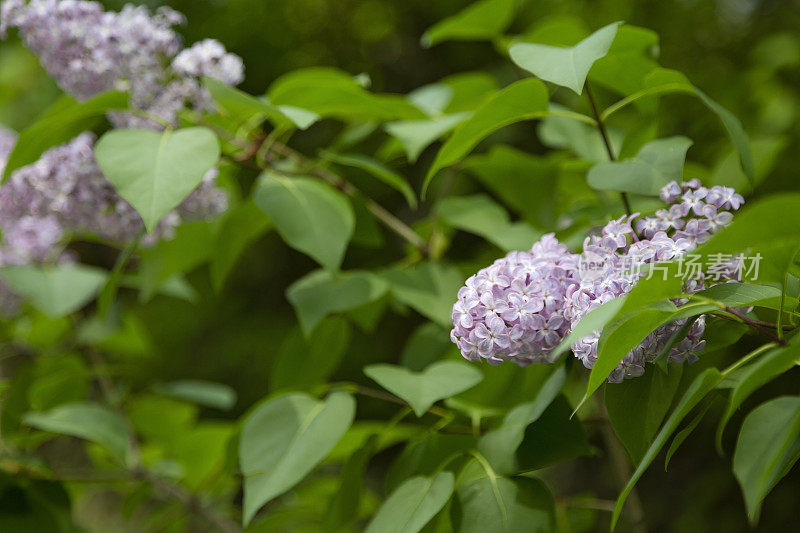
[657, 163]
[57, 290]
[284, 439]
[567, 67]
[311, 216]
[413, 504]
[423, 389]
[155, 171]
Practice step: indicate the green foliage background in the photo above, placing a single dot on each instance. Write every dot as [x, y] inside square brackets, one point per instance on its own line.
[746, 55]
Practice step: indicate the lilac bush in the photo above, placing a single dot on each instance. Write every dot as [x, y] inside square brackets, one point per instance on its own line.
[522, 306]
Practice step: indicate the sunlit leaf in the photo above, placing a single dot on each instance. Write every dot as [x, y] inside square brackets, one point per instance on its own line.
[567, 67]
[155, 171]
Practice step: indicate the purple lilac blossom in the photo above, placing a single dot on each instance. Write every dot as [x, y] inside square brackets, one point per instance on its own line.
[633, 241]
[513, 309]
[89, 51]
[497, 320]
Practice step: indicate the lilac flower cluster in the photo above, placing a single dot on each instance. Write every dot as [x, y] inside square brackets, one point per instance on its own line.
[514, 309]
[486, 315]
[88, 51]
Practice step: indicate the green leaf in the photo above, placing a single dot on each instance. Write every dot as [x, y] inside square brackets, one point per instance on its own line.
[480, 215]
[567, 67]
[305, 362]
[311, 216]
[55, 290]
[665, 81]
[743, 294]
[766, 150]
[205, 393]
[322, 293]
[284, 439]
[629, 60]
[413, 504]
[499, 445]
[657, 163]
[344, 505]
[85, 420]
[429, 288]
[768, 367]
[416, 135]
[702, 385]
[584, 140]
[523, 100]
[556, 436]
[683, 434]
[432, 98]
[155, 171]
[333, 93]
[246, 110]
[422, 389]
[482, 20]
[61, 123]
[239, 229]
[524, 182]
[487, 502]
[768, 447]
[376, 169]
[621, 337]
[636, 407]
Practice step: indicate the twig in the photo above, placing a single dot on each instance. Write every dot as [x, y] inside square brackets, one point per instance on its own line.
[604, 134]
[756, 324]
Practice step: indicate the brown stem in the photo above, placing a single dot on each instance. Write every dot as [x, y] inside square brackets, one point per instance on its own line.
[756, 324]
[606, 141]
